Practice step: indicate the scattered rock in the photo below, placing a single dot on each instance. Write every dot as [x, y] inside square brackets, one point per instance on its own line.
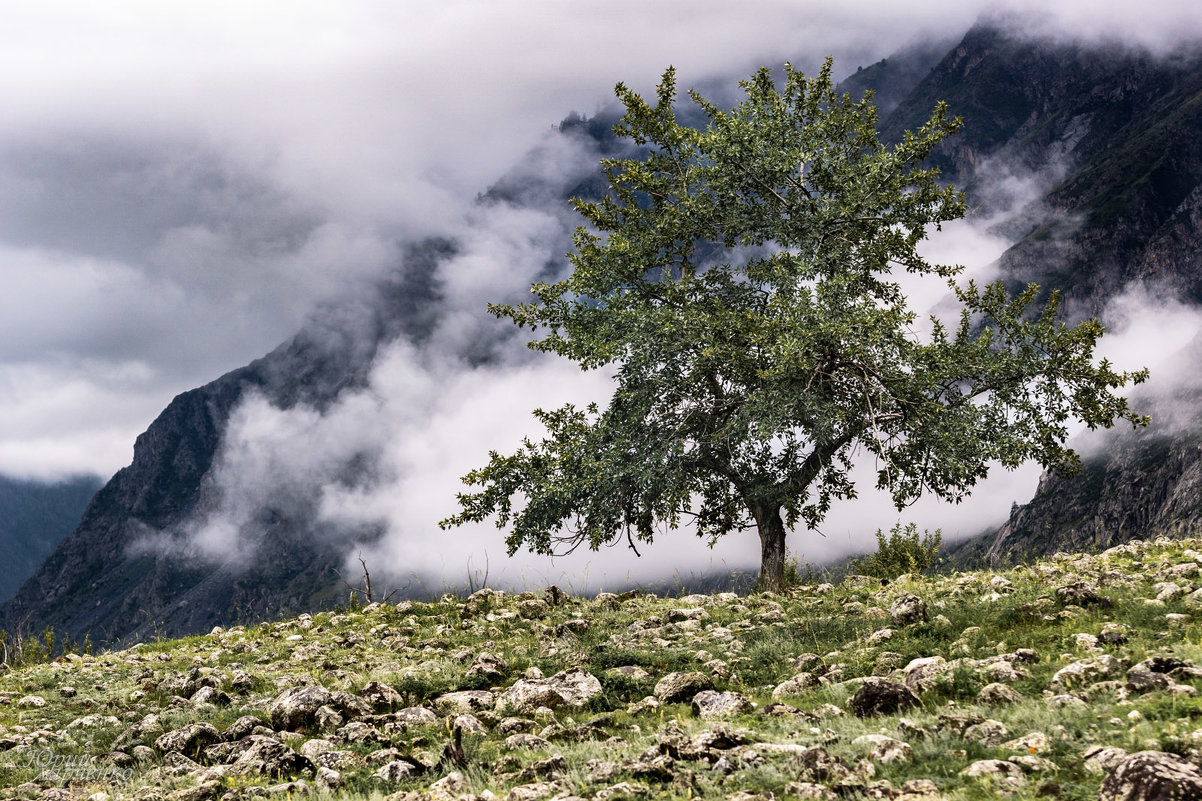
[572, 688]
[147, 728]
[798, 685]
[622, 791]
[397, 771]
[380, 697]
[330, 781]
[1032, 743]
[1005, 772]
[925, 672]
[996, 694]
[1081, 594]
[877, 696]
[267, 756]
[987, 732]
[464, 702]
[533, 792]
[1100, 759]
[189, 740]
[350, 706]
[296, 708]
[532, 610]
[246, 725]
[414, 716]
[676, 687]
[469, 724]
[631, 672]
[879, 636]
[327, 719]
[530, 742]
[489, 667]
[1151, 776]
[1086, 671]
[884, 749]
[709, 704]
[1033, 764]
[359, 732]
[908, 609]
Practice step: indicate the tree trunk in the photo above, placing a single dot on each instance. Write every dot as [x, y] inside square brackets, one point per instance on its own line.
[772, 546]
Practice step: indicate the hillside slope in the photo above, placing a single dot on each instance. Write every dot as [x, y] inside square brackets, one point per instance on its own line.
[1074, 677]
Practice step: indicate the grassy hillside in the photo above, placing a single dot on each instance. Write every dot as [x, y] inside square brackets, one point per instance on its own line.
[1035, 682]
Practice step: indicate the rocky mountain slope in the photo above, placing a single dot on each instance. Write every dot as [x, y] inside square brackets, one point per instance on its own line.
[95, 584]
[1104, 135]
[1072, 677]
[34, 519]
[1107, 134]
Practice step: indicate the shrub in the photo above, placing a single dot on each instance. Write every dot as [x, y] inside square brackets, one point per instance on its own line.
[905, 550]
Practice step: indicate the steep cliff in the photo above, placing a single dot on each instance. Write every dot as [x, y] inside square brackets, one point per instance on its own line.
[1109, 137]
[1107, 134]
[100, 582]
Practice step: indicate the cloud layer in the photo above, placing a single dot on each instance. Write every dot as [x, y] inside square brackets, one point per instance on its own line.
[180, 184]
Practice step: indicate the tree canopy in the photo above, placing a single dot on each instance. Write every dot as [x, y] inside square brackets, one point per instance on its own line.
[742, 279]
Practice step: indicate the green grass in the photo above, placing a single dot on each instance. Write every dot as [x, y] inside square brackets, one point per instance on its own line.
[425, 650]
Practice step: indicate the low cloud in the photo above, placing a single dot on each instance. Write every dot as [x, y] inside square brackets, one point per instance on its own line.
[432, 413]
[212, 172]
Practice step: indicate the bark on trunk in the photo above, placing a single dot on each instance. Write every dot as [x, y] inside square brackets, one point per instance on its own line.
[772, 547]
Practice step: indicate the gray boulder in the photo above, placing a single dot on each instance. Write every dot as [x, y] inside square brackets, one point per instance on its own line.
[464, 702]
[925, 672]
[572, 688]
[295, 708]
[710, 704]
[1007, 773]
[415, 716]
[676, 687]
[190, 739]
[1084, 672]
[798, 685]
[397, 771]
[266, 756]
[1151, 776]
[380, 697]
[908, 609]
[884, 749]
[877, 696]
[996, 694]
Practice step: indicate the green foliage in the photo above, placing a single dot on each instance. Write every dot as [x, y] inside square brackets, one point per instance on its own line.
[22, 651]
[903, 551]
[741, 279]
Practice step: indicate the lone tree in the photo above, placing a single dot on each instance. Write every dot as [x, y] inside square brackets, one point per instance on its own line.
[742, 280]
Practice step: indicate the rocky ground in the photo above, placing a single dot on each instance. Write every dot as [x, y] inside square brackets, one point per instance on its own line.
[1074, 677]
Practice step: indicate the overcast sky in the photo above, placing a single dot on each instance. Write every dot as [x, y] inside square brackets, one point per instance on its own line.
[180, 183]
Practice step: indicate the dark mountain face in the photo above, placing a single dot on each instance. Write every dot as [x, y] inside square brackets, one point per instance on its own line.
[100, 581]
[34, 519]
[1111, 134]
[1108, 135]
